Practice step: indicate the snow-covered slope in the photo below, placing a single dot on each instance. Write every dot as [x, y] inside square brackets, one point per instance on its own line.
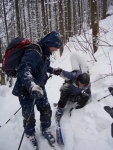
[88, 128]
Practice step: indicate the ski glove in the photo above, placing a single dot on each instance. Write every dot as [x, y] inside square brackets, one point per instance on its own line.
[110, 90]
[84, 93]
[36, 91]
[57, 71]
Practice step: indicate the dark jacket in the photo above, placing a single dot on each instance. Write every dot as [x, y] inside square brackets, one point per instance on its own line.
[33, 67]
[71, 92]
[72, 84]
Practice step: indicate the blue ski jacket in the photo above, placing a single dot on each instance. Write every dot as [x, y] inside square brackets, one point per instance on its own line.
[34, 66]
[71, 83]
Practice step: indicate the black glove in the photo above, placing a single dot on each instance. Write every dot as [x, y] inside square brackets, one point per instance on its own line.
[36, 91]
[110, 90]
[57, 71]
[84, 93]
[78, 99]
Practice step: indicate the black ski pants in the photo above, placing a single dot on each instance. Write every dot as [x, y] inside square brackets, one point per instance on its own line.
[66, 95]
[42, 106]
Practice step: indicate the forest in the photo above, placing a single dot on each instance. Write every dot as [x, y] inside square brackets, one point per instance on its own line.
[35, 18]
[86, 29]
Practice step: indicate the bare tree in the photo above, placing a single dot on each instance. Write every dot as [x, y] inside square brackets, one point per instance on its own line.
[35, 18]
[2, 75]
[69, 18]
[28, 19]
[17, 18]
[94, 24]
[23, 18]
[61, 27]
[44, 19]
[104, 8]
[5, 20]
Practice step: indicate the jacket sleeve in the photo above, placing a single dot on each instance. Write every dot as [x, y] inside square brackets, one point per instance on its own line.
[70, 75]
[27, 66]
[50, 70]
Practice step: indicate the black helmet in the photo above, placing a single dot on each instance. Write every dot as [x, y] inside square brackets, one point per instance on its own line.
[84, 78]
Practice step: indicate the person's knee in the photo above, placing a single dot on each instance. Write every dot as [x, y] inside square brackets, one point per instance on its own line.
[64, 97]
[45, 111]
[27, 111]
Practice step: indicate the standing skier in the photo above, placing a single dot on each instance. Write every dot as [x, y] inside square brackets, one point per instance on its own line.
[76, 89]
[109, 109]
[30, 85]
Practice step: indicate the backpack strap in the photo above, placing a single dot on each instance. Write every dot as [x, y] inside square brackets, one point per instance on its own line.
[36, 47]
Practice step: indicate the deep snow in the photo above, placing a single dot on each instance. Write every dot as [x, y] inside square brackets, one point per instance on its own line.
[88, 128]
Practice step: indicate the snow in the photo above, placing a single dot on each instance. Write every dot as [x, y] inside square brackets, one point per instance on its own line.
[110, 10]
[88, 128]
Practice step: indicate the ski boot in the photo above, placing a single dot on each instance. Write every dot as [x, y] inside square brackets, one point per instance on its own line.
[59, 113]
[109, 110]
[47, 134]
[32, 139]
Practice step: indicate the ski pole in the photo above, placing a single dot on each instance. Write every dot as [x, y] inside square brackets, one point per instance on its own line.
[103, 97]
[26, 124]
[97, 100]
[10, 119]
[70, 111]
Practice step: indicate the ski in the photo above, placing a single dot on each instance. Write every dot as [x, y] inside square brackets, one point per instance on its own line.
[34, 142]
[51, 144]
[36, 148]
[59, 136]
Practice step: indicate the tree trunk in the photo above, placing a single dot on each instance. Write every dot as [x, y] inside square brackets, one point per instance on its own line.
[94, 24]
[2, 75]
[0, 52]
[61, 26]
[5, 20]
[69, 18]
[29, 23]
[17, 18]
[104, 8]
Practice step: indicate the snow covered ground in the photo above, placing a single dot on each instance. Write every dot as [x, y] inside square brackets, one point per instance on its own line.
[88, 128]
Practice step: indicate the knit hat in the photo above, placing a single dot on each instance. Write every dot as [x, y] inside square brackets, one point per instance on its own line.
[53, 39]
[84, 78]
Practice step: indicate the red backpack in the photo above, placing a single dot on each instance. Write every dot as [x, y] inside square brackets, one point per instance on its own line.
[13, 54]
